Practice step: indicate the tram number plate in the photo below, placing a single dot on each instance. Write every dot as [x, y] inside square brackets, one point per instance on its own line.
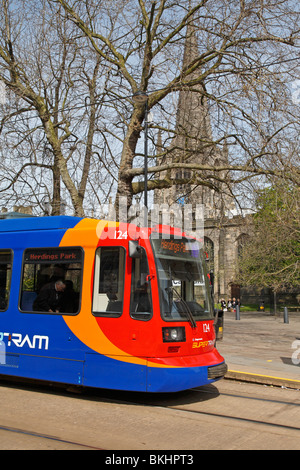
[120, 235]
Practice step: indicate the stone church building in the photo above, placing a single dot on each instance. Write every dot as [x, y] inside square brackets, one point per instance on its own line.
[223, 228]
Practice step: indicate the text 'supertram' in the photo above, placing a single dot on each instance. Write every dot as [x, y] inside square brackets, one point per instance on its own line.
[100, 304]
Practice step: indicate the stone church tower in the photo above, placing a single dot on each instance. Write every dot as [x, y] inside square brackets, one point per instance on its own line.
[193, 142]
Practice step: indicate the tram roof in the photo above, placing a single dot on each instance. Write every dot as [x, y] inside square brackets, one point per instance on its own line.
[38, 223]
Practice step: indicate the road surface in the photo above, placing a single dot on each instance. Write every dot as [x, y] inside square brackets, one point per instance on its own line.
[226, 415]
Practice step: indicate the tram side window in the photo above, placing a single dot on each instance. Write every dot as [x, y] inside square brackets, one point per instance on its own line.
[5, 277]
[109, 281]
[140, 299]
[51, 280]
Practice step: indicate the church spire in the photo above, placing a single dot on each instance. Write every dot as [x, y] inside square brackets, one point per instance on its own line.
[193, 139]
[192, 113]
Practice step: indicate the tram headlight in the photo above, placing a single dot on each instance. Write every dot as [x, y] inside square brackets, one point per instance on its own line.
[173, 334]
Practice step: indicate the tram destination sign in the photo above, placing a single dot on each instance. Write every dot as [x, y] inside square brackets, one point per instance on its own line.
[53, 255]
[183, 248]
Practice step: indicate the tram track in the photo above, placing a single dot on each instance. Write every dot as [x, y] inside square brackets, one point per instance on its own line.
[248, 397]
[47, 437]
[150, 401]
[244, 419]
[230, 417]
[229, 408]
[236, 418]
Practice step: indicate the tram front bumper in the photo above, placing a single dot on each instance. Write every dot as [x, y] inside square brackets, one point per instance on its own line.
[186, 372]
[175, 380]
[217, 372]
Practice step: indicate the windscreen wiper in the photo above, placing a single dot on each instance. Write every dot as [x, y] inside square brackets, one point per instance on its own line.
[188, 310]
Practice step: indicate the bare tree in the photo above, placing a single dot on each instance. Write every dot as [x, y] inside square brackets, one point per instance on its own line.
[71, 69]
[247, 52]
[53, 103]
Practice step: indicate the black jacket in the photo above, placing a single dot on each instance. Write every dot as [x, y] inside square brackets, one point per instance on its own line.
[47, 299]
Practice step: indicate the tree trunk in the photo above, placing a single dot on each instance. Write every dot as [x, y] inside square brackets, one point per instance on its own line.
[55, 210]
[128, 153]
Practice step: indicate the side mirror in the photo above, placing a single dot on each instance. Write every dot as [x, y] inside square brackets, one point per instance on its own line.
[135, 251]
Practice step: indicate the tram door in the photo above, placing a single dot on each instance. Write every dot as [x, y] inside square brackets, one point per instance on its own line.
[111, 368]
[140, 294]
[108, 296]
[109, 281]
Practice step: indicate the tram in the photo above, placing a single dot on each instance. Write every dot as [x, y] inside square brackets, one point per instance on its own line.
[104, 304]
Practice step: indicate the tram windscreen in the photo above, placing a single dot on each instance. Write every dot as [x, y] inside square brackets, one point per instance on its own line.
[183, 282]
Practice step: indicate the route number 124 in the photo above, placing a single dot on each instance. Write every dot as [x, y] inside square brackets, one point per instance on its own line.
[120, 235]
